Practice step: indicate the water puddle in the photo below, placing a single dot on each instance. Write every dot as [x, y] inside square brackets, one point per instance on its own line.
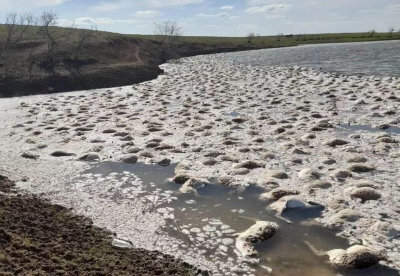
[209, 221]
[367, 128]
[175, 103]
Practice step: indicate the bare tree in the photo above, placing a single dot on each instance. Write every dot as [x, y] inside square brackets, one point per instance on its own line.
[80, 38]
[17, 29]
[250, 37]
[279, 36]
[47, 21]
[53, 35]
[168, 34]
[391, 30]
[371, 32]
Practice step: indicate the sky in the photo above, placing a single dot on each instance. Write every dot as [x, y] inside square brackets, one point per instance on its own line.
[222, 17]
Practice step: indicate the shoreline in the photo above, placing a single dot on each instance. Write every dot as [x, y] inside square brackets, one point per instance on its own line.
[117, 73]
[38, 237]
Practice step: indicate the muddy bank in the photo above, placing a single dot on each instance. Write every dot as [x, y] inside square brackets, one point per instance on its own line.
[110, 76]
[109, 61]
[39, 238]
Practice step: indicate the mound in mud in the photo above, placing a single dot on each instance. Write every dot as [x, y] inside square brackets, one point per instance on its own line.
[40, 238]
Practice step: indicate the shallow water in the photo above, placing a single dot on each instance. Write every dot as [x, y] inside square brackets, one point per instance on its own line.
[366, 58]
[215, 205]
[234, 114]
[366, 128]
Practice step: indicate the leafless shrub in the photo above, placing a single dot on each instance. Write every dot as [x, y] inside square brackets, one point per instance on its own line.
[391, 30]
[79, 38]
[250, 37]
[168, 34]
[47, 21]
[279, 37]
[371, 33]
[17, 29]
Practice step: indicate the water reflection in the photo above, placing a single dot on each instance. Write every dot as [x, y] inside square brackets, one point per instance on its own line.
[285, 253]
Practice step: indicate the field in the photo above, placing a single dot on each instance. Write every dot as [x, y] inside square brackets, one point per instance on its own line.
[284, 41]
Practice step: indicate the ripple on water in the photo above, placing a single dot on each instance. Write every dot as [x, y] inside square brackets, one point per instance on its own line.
[364, 58]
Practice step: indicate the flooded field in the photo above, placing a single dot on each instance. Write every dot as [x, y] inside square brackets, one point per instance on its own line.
[237, 169]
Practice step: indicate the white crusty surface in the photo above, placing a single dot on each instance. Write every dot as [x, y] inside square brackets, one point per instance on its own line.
[213, 114]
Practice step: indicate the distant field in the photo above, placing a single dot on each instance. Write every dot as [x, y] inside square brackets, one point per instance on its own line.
[257, 42]
[260, 41]
[285, 41]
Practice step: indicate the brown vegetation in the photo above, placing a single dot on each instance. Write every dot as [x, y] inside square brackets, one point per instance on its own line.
[36, 57]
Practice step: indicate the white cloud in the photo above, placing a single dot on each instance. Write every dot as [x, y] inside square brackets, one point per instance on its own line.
[269, 8]
[369, 11]
[26, 4]
[248, 26]
[390, 8]
[102, 20]
[168, 3]
[107, 6]
[234, 17]
[287, 23]
[223, 15]
[205, 15]
[275, 16]
[251, 3]
[227, 8]
[185, 25]
[220, 15]
[147, 14]
[346, 22]
[393, 8]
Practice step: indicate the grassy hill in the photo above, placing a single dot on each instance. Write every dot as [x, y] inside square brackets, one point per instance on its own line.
[111, 59]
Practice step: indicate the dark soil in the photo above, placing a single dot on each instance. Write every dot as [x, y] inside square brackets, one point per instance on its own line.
[39, 238]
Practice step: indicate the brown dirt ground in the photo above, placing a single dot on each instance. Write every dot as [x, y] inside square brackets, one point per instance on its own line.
[39, 238]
